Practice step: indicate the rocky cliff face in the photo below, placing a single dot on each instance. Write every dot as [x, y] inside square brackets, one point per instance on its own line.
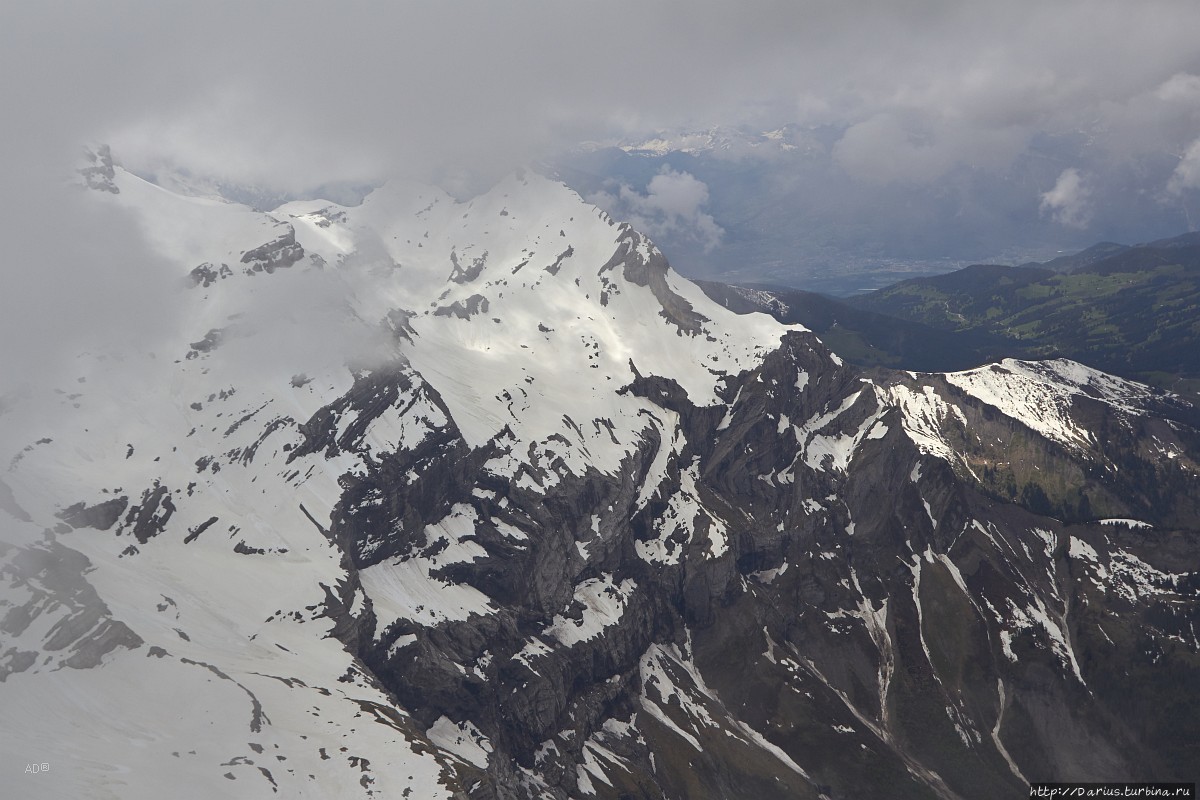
[863, 613]
[595, 536]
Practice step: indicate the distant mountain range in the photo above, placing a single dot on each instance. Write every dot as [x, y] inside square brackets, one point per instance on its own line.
[1133, 311]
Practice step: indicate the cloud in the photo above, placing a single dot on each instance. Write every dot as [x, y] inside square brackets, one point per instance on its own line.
[1187, 174]
[77, 276]
[673, 204]
[887, 148]
[1181, 87]
[1070, 201]
[292, 95]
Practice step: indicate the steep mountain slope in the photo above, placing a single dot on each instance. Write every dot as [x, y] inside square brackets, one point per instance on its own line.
[1082, 259]
[564, 527]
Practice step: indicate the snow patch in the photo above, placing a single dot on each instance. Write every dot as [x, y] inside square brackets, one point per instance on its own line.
[603, 604]
[462, 739]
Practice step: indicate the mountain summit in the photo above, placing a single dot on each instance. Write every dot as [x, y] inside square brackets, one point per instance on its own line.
[426, 498]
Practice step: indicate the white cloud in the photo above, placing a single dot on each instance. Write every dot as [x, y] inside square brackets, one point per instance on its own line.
[1180, 87]
[673, 203]
[1187, 174]
[1070, 201]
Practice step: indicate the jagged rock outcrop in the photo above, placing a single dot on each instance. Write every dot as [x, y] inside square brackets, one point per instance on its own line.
[279, 253]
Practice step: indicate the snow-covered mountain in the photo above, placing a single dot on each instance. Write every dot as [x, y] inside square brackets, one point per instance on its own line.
[721, 141]
[424, 498]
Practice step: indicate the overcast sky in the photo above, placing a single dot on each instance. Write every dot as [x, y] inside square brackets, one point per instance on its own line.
[291, 95]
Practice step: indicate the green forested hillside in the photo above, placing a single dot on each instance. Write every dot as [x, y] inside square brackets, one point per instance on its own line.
[1135, 312]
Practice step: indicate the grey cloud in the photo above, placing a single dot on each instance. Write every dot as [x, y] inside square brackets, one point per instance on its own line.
[296, 94]
[304, 319]
[886, 148]
[77, 276]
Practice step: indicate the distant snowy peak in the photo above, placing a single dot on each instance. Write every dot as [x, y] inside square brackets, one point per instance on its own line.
[1041, 394]
[721, 141]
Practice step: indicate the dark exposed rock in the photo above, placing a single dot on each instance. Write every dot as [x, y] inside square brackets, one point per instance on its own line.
[100, 175]
[50, 581]
[461, 274]
[327, 217]
[464, 309]
[211, 341]
[643, 265]
[557, 265]
[279, 253]
[399, 322]
[101, 516]
[207, 274]
[194, 533]
[149, 517]
[257, 717]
